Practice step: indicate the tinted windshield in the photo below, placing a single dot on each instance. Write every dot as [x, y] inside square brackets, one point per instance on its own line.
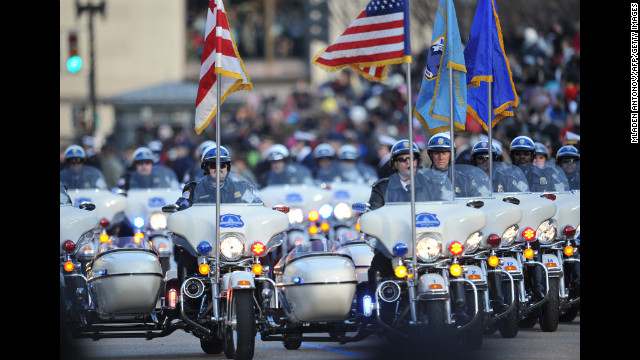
[157, 179]
[430, 185]
[508, 178]
[288, 174]
[234, 189]
[471, 181]
[572, 172]
[548, 178]
[355, 173]
[82, 177]
[64, 197]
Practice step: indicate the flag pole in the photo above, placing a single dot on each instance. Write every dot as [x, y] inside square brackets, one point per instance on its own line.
[217, 268]
[490, 123]
[451, 121]
[411, 168]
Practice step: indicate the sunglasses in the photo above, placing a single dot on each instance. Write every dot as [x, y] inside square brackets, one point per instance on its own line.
[144, 162]
[568, 161]
[74, 161]
[404, 159]
[483, 157]
[522, 153]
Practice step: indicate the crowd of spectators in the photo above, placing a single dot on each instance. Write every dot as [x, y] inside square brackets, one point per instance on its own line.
[350, 109]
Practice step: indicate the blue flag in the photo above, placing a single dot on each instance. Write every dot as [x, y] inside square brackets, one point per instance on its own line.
[487, 64]
[445, 52]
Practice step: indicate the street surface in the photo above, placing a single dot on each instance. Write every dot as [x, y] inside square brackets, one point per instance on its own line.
[529, 344]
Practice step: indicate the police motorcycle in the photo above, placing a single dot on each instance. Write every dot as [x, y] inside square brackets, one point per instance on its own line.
[498, 305]
[556, 247]
[353, 185]
[143, 216]
[77, 231]
[418, 301]
[110, 287]
[307, 201]
[110, 205]
[518, 252]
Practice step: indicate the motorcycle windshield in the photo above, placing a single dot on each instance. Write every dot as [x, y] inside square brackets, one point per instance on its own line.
[157, 179]
[351, 172]
[329, 174]
[82, 177]
[430, 185]
[235, 189]
[124, 242]
[548, 178]
[508, 178]
[471, 181]
[289, 174]
[64, 196]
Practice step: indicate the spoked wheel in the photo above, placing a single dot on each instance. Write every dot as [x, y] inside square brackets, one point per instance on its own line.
[239, 342]
[549, 312]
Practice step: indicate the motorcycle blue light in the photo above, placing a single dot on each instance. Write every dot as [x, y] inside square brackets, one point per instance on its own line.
[325, 211]
[400, 249]
[297, 280]
[138, 222]
[204, 248]
[366, 305]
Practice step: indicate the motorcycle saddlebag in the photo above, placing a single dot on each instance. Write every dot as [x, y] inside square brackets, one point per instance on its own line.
[317, 286]
[125, 282]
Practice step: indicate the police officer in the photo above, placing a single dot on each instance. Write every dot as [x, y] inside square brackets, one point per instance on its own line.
[426, 189]
[76, 174]
[233, 189]
[353, 171]
[145, 175]
[282, 171]
[327, 170]
[568, 159]
[439, 151]
[542, 155]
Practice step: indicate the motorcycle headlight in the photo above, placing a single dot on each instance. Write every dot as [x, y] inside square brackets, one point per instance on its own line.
[231, 247]
[158, 221]
[473, 241]
[510, 235]
[86, 246]
[546, 232]
[342, 211]
[428, 247]
[325, 211]
[296, 216]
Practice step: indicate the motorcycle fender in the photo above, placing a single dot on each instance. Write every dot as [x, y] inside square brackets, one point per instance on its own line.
[554, 267]
[474, 273]
[240, 280]
[432, 285]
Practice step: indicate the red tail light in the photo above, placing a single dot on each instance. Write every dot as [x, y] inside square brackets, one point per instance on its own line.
[569, 231]
[69, 246]
[104, 222]
[173, 295]
[493, 240]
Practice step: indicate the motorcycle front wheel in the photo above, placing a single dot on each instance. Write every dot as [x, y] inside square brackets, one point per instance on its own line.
[240, 342]
[549, 312]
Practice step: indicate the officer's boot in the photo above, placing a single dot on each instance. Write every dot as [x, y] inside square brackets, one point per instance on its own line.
[459, 303]
[495, 293]
[538, 288]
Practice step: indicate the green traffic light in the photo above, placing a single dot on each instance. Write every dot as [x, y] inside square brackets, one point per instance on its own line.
[74, 64]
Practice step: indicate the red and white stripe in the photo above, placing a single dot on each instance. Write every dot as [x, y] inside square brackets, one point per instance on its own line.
[220, 56]
[366, 45]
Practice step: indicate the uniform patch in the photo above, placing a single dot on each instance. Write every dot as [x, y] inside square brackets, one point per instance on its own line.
[186, 194]
[237, 194]
[543, 181]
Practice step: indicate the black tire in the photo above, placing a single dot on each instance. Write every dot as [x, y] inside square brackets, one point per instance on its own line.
[569, 315]
[240, 343]
[508, 326]
[212, 346]
[436, 331]
[549, 312]
[291, 344]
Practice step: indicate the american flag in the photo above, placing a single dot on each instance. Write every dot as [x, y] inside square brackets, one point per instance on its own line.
[219, 57]
[378, 37]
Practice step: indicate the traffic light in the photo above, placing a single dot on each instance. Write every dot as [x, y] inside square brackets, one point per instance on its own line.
[74, 61]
